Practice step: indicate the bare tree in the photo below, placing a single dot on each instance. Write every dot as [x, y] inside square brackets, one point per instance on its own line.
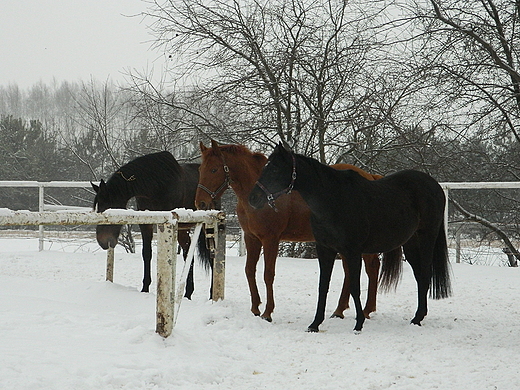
[289, 69]
[469, 53]
[472, 49]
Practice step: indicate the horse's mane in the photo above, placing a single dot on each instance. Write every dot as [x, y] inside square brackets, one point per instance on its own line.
[233, 149]
[146, 171]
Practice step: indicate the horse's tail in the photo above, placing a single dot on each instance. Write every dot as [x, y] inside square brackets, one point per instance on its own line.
[391, 269]
[205, 258]
[441, 284]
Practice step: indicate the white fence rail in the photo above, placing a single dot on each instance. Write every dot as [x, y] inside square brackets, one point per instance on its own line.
[168, 223]
[473, 186]
[446, 186]
[41, 185]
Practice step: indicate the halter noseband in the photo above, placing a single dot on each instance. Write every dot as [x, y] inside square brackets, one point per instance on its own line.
[287, 190]
[226, 184]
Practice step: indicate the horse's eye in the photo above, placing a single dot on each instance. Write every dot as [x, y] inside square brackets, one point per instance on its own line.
[214, 170]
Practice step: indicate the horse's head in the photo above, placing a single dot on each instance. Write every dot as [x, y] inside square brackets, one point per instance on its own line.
[277, 178]
[214, 177]
[106, 235]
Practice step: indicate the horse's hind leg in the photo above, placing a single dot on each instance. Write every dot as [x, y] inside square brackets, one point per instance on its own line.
[184, 241]
[146, 235]
[372, 264]
[326, 259]
[354, 266]
[253, 247]
[345, 293]
[418, 252]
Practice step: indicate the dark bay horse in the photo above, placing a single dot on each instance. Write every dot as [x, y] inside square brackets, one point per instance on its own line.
[351, 215]
[158, 183]
[239, 168]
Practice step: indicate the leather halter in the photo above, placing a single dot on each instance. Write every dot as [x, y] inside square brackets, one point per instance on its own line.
[271, 197]
[226, 184]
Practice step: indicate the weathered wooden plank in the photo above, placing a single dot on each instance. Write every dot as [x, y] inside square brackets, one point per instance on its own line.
[219, 264]
[110, 265]
[166, 264]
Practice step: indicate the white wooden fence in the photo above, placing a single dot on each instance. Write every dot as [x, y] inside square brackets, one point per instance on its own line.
[473, 186]
[167, 223]
[41, 185]
[446, 186]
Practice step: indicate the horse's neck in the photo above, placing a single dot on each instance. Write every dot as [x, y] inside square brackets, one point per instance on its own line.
[244, 175]
[314, 182]
[121, 190]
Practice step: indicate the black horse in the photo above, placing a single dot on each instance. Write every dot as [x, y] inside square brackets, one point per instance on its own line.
[352, 215]
[158, 183]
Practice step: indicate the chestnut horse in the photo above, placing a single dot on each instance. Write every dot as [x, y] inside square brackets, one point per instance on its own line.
[237, 167]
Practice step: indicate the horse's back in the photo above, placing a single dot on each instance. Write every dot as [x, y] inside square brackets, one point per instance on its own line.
[380, 215]
[419, 189]
[363, 173]
[417, 182]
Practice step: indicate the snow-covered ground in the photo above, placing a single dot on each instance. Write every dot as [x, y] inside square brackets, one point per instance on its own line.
[63, 327]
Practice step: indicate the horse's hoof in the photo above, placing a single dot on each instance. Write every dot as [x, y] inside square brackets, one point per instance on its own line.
[334, 315]
[418, 323]
[312, 330]
[145, 290]
[268, 319]
[357, 331]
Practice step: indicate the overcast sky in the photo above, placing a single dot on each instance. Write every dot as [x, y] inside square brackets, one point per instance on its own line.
[73, 40]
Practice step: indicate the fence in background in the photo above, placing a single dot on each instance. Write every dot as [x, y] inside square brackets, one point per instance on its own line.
[446, 186]
[41, 196]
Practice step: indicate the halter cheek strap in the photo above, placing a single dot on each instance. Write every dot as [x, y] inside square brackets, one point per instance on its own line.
[271, 197]
[226, 184]
[223, 186]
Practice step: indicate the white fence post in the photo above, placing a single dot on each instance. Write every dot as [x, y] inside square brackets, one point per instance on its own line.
[166, 269]
[110, 265]
[446, 213]
[41, 197]
[219, 264]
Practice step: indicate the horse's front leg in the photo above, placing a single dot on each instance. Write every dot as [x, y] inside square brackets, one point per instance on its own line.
[326, 259]
[253, 248]
[147, 235]
[270, 255]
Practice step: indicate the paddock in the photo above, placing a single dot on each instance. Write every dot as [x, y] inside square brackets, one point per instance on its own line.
[63, 326]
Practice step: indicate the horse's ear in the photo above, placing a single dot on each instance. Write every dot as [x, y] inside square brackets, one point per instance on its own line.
[102, 185]
[202, 147]
[215, 146]
[95, 187]
[284, 147]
